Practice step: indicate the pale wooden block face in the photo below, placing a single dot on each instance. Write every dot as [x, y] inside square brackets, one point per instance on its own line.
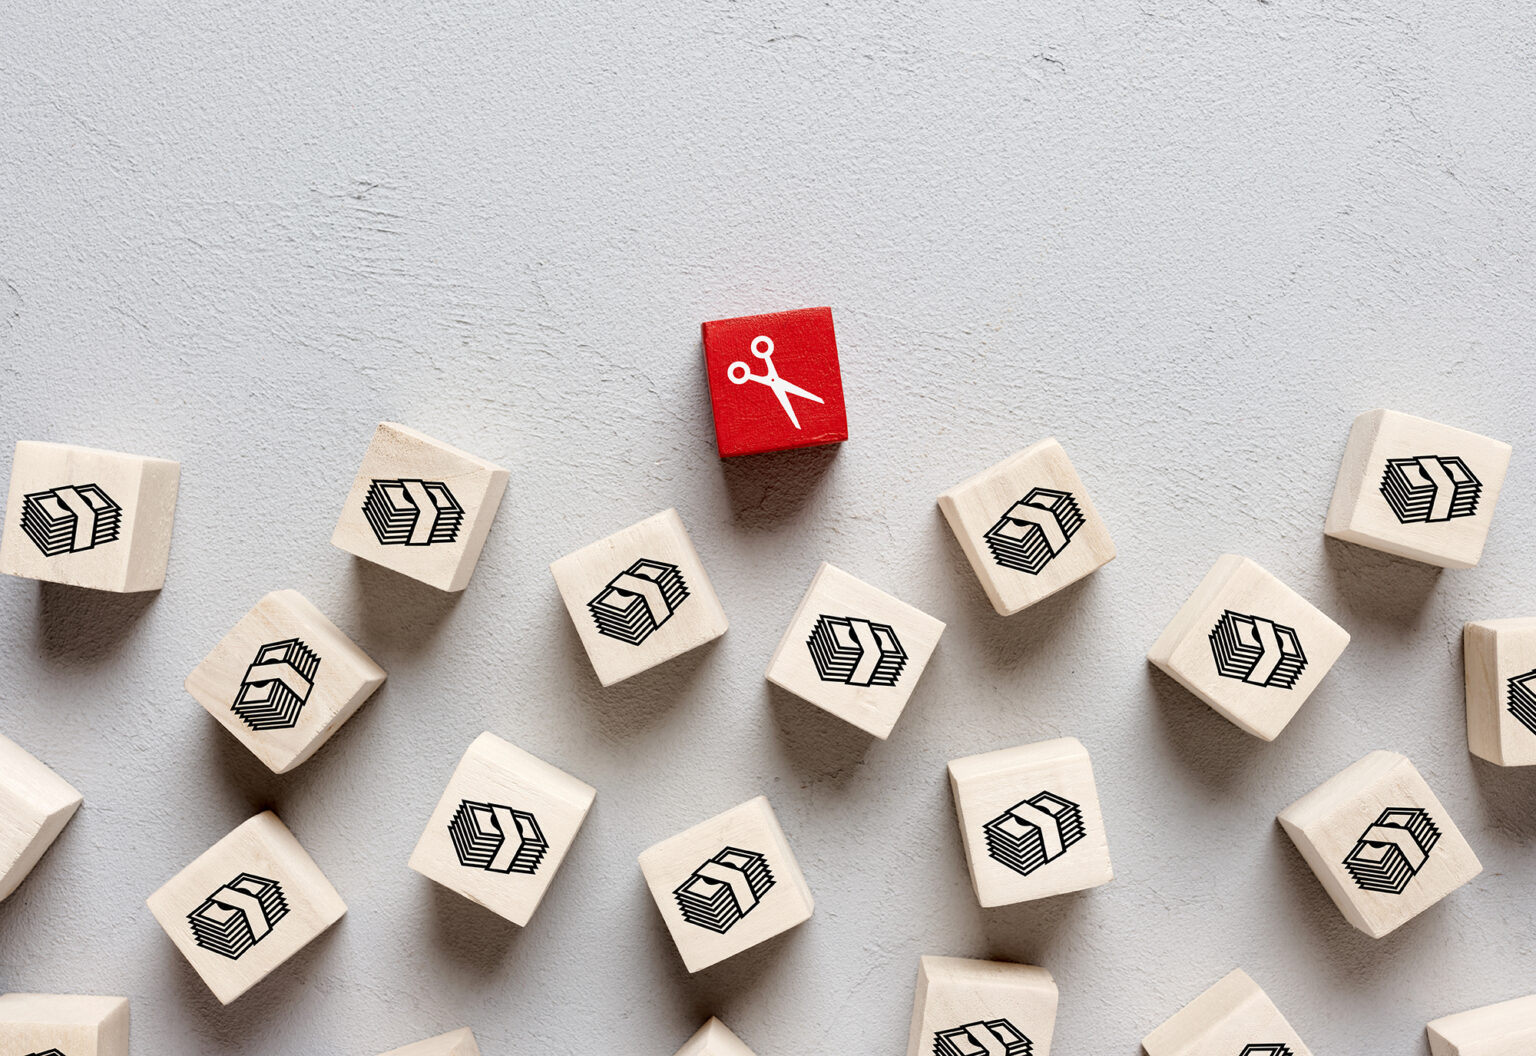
[502, 828]
[1249, 646]
[35, 805]
[1380, 842]
[284, 680]
[980, 1008]
[246, 905]
[420, 507]
[73, 1025]
[1232, 1018]
[639, 597]
[714, 1039]
[1500, 660]
[854, 650]
[1028, 527]
[727, 884]
[1418, 489]
[1030, 821]
[1505, 1029]
[454, 1043]
[89, 518]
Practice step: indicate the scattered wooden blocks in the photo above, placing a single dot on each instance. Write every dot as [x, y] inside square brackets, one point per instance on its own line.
[727, 884]
[63, 1025]
[1505, 1029]
[1249, 646]
[502, 828]
[1380, 842]
[639, 597]
[420, 507]
[246, 905]
[1500, 660]
[1030, 821]
[714, 1039]
[454, 1043]
[1417, 489]
[982, 1008]
[1028, 527]
[284, 680]
[1232, 1018]
[35, 805]
[89, 518]
[787, 393]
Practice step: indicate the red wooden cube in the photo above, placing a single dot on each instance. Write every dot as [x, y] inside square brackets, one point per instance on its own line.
[774, 382]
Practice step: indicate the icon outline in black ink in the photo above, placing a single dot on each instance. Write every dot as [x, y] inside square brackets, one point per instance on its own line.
[855, 651]
[277, 685]
[1429, 489]
[1392, 850]
[497, 838]
[47, 1052]
[238, 915]
[1257, 651]
[70, 519]
[983, 1038]
[1035, 530]
[634, 604]
[724, 889]
[1034, 832]
[1522, 699]
[1267, 1048]
[408, 511]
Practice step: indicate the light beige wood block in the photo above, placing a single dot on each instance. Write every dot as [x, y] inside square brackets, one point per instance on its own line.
[69, 1024]
[246, 905]
[284, 680]
[639, 597]
[1500, 661]
[1028, 527]
[1417, 489]
[1505, 1029]
[89, 518]
[1380, 842]
[454, 1043]
[35, 805]
[714, 1039]
[1232, 1018]
[421, 507]
[1249, 646]
[981, 1008]
[854, 650]
[502, 828]
[727, 884]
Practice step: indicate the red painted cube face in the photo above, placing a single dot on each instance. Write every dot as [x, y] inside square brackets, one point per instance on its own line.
[774, 382]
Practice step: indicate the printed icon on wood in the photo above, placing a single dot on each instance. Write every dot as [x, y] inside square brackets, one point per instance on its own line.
[994, 1037]
[1029, 834]
[277, 685]
[497, 838]
[1430, 488]
[67, 520]
[1269, 1048]
[856, 652]
[1032, 531]
[1393, 850]
[409, 512]
[1257, 651]
[238, 915]
[47, 1052]
[724, 889]
[1522, 699]
[639, 600]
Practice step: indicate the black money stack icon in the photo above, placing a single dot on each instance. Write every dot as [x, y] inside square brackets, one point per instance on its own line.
[47, 1052]
[409, 512]
[497, 838]
[276, 685]
[1522, 699]
[1392, 850]
[638, 600]
[724, 889]
[1271, 1048]
[857, 652]
[1430, 488]
[238, 915]
[1029, 834]
[994, 1037]
[1034, 530]
[1257, 651]
[68, 520]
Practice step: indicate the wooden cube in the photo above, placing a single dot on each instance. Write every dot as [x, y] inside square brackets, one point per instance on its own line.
[854, 650]
[727, 884]
[1249, 646]
[454, 1043]
[1030, 821]
[246, 905]
[1380, 842]
[1500, 660]
[35, 805]
[1505, 1029]
[420, 507]
[63, 1025]
[89, 518]
[1417, 489]
[639, 597]
[1028, 527]
[978, 1008]
[714, 1039]
[1232, 1018]
[284, 680]
[502, 828]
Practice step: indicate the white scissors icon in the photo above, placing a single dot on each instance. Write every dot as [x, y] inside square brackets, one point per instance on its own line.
[740, 373]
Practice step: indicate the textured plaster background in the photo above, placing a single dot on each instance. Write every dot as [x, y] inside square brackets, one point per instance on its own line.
[1190, 239]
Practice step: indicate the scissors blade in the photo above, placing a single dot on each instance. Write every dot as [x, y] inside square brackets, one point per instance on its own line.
[796, 390]
[781, 391]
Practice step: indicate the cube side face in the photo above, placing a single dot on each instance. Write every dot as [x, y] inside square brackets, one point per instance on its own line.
[35, 805]
[964, 1006]
[1233, 1017]
[74, 1025]
[1500, 660]
[454, 1043]
[1505, 1029]
[714, 1039]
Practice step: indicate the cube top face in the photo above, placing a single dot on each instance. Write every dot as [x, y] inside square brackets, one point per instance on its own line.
[63, 1024]
[981, 1008]
[639, 597]
[1028, 527]
[420, 507]
[502, 828]
[454, 1043]
[1249, 646]
[727, 884]
[246, 905]
[774, 382]
[284, 680]
[1504, 1029]
[1417, 489]
[1232, 1018]
[35, 805]
[714, 1039]
[1500, 665]
[854, 650]
[89, 518]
